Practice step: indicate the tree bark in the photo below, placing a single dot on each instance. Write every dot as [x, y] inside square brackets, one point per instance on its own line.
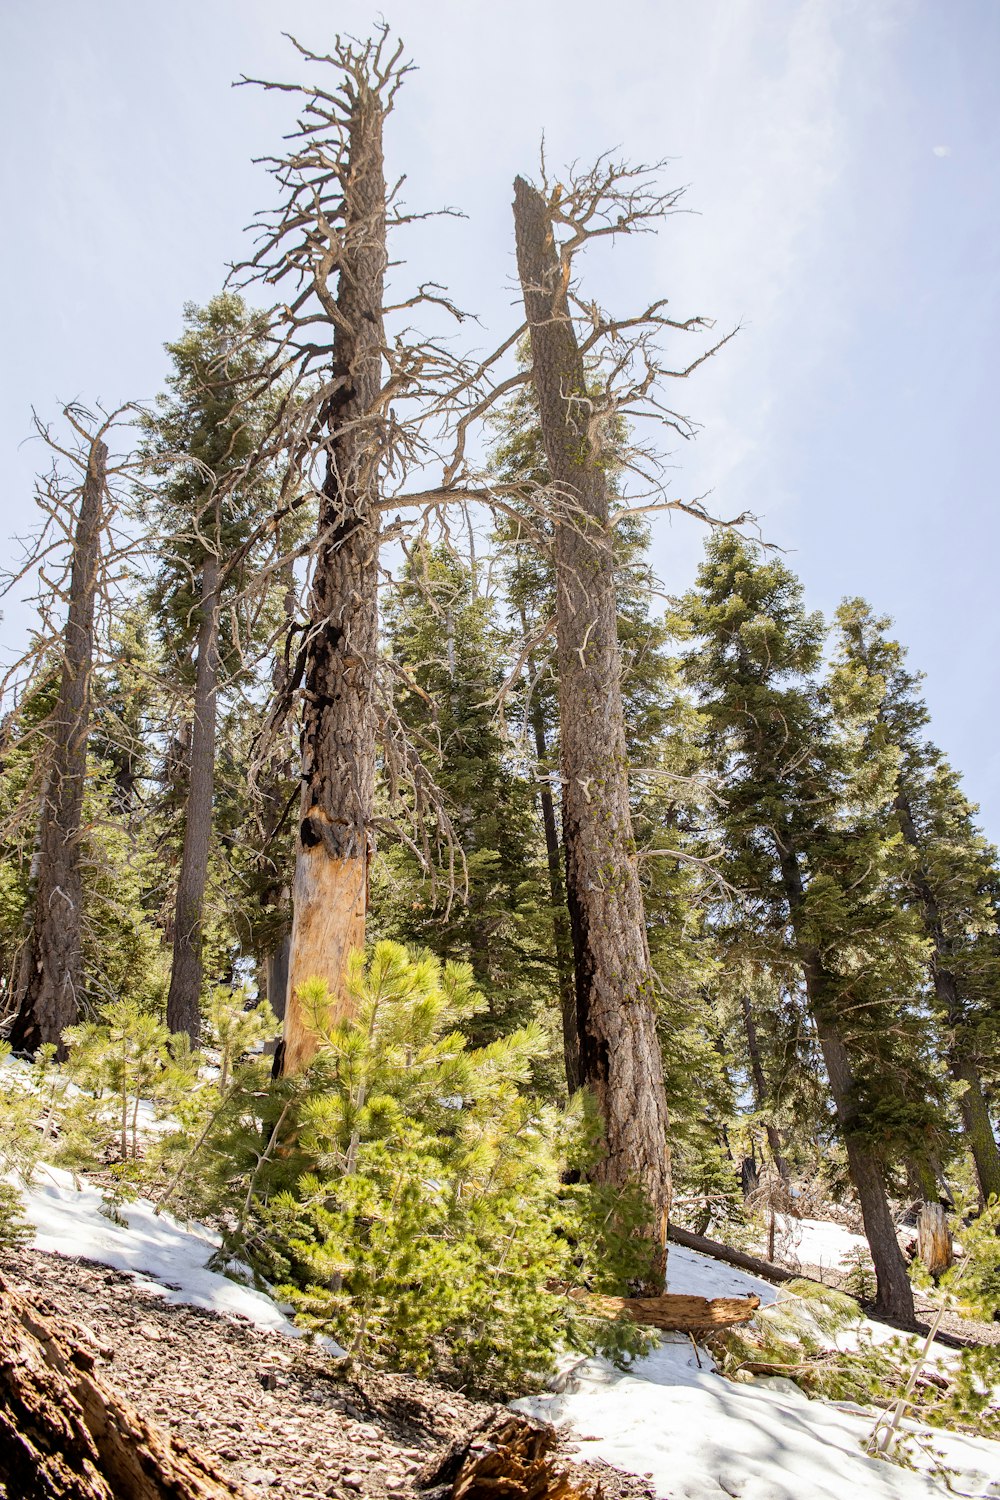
[620, 1055]
[760, 1088]
[65, 1434]
[184, 995]
[562, 939]
[894, 1294]
[972, 1105]
[330, 893]
[51, 973]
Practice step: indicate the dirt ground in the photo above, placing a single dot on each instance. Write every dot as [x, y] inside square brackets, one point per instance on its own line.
[278, 1414]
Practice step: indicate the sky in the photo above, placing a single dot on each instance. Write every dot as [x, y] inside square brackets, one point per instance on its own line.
[843, 207]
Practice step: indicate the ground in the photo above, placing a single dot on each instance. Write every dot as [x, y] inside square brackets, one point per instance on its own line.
[279, 1415]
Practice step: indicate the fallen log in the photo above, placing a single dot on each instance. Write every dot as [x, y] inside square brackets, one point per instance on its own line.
[765, 1269]
[66, 1434]
[508, 1457]
[674, 1312]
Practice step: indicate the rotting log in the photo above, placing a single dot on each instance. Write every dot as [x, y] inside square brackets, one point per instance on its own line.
[66, 1434]
[508, 1457]
[765, 1269]
[675, 1312]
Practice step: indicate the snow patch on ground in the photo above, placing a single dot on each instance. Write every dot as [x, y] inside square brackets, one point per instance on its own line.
[697, 1436]
[166, 1257]
[700, 1437]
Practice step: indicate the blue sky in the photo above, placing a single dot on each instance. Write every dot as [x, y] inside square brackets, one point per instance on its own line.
[841, 160]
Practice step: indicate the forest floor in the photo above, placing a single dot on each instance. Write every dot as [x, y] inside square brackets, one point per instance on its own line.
[278, 1414]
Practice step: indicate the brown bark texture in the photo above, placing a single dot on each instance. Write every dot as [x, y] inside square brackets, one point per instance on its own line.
[51, 970]
[972, 1105]
[66, 1434]
[184, 995]
[894, 1294]
[620, 1055]
[330, 893]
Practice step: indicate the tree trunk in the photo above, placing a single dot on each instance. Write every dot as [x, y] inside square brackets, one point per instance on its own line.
[562, 939]
[620, 1055]
[934, 1239]
[978, 1127]
[276, 975]
[894, 1294]
[51, 973]
[760, 1088]
[972, 1105]
[330, 894]
[184, 996]
[65, 1434]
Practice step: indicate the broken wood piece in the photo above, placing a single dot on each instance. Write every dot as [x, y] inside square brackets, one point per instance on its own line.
[753, 1263]
[675, 1312]
[508, 1457]
[65, 1434]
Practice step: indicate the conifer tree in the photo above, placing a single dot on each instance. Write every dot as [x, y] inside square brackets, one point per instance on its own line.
[806, 836]
[207, 507]
[449, 651]
[952, 873]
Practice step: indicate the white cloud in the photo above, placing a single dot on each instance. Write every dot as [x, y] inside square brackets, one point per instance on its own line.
[941, 150]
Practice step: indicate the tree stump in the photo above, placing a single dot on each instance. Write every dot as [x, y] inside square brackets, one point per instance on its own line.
[65, 1434]
[934, 1239]
[508, 1457]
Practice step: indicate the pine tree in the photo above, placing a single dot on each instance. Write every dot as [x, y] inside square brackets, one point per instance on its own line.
[807, 839]
[952, 873]
[449, 652]
[201, 441]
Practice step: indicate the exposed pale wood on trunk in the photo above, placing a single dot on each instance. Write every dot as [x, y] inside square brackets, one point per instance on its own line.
[67, 1434]
[934, 1244]
[330, 895]
[674, 1312]
[184, 995]
[51, 970]
[620, 1055]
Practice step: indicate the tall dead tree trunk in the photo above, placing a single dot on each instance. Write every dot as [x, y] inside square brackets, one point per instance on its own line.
[330, 894]
[894, 1294]
[972, 1105]
[184, 996]
[52, 965]
[619, 1048]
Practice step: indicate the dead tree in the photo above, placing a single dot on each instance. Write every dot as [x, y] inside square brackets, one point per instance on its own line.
[615, 1012]
[50, 979]
[328, 241]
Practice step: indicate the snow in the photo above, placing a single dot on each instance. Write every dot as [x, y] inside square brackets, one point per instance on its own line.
[819, 1243]
[697, 1436]
[166, 1257]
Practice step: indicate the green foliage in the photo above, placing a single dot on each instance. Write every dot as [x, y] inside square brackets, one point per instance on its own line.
[816, 1337]
[124, 1058]
[432, 1219]
[975, 1280]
